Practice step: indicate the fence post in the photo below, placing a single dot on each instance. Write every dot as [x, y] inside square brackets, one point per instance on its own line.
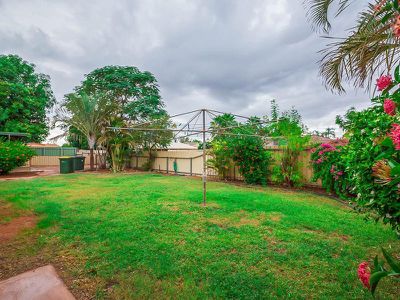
[167, 165]
[137, 162]
[191, 166]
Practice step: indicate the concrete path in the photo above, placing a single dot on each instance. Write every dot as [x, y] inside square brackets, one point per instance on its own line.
[42, 283]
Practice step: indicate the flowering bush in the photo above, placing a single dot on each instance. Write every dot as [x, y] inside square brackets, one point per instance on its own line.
[366, 170]
[329, 168]
[13, 155]
[395, 136]
[389, 10]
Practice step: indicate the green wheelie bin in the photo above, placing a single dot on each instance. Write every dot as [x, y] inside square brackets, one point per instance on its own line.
[79, 163]
[66, 164]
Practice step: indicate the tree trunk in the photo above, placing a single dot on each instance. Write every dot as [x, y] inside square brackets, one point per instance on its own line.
[91, 159]
[91, 142]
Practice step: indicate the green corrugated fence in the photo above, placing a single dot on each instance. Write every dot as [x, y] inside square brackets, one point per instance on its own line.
[54, 151]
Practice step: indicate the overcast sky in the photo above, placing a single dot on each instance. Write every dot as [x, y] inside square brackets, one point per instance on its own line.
[227, 55]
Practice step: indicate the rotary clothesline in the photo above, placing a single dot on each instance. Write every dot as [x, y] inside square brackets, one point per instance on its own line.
[192, 130]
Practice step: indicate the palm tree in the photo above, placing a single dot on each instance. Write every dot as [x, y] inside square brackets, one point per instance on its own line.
[329, 132]
[370, 49]
[88, 114]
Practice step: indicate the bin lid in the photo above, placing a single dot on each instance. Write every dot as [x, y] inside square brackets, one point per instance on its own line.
[64, 157]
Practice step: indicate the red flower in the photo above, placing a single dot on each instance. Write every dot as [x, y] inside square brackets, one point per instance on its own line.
[332, 169]
[395, 135]
[396, 27]
[364, 274]
[326, 145]
[383, 82]
[389, 107]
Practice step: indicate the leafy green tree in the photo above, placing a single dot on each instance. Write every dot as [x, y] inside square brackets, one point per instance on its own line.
[153, 139]
[76, 139]
[25, 98]
[118, 144]
[136, 101]
[290, 132]
[274, 111]
[136, 93]
[329, 132]
[88, 114]
[242, 144]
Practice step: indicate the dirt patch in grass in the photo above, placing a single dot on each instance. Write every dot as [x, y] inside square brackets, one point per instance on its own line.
[246, 221]
[172, 207]
[343, 237]
[275, 216]
[237, 220]
[12, 223]
[220, 222]
[6, 212]
[15, 226]
[213, 205]
[77, 192]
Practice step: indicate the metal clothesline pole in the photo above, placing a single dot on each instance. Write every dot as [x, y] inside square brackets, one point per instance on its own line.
[204, 159]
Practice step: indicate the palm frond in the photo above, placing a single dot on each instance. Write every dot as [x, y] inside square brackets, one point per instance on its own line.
[318, 12]
[369, 50]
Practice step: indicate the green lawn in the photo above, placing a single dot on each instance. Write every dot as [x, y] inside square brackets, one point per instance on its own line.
[147, 236]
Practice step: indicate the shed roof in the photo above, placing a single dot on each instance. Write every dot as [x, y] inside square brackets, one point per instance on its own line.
[8, 133]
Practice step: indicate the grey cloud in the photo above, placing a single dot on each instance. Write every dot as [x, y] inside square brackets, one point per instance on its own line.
[228, 55]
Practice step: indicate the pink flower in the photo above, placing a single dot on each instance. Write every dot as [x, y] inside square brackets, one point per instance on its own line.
[378, 6]
[395, 135]
[332, 170]
[326, 145]
[383, 82]
[396, 27]
[319, 160]
[340, 173]
[364, 274]
[389, 107]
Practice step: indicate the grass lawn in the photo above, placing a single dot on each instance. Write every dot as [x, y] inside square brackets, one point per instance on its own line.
[147, 236]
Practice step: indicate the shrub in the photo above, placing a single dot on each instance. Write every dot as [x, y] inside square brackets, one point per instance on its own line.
[220, 160]
[252, 159]
[327, 164]
[239, 144]
[370, 162]
[290, 133]
[287, 171]
[13, 155]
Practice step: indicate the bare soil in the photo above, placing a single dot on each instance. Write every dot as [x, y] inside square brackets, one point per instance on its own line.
[11, 224]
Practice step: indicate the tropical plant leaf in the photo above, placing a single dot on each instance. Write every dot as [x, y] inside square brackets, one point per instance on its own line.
[391, 261]
[375, 278]
[369, 50]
